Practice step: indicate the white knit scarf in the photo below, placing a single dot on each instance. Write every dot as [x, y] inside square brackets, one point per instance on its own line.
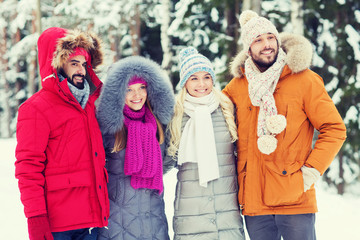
[197, 143]
[261, 89]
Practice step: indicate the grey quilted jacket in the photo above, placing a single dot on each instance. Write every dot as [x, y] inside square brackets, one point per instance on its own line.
[211, 212]
[134, 213]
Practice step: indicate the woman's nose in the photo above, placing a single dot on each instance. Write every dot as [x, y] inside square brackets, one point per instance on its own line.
[201, 82]
[137, 93]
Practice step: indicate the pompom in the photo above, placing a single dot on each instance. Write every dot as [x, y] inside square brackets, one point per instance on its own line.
[267, 144]
[246, 15]
[186, 52]
[276, 123]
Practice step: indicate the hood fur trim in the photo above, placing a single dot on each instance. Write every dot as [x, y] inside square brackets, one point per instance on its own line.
[298, 51]
[76, 38]
[112, 100]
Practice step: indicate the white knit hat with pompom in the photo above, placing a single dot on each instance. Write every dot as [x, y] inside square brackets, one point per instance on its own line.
[253, 26]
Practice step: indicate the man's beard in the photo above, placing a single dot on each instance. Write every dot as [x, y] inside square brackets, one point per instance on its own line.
[79, 85]
[263, 64]
[71, 80]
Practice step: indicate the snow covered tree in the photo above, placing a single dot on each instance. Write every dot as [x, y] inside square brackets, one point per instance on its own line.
[165, 18]
[212, 27]
[17, 54]
[254, 5]
[297, 16]
[333, 26]
[4, 84]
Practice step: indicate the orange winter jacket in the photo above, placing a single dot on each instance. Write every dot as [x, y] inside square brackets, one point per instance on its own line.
[273, 184]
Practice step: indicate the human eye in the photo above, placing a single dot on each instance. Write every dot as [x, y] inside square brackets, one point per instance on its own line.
[271, 36]
[128, 90]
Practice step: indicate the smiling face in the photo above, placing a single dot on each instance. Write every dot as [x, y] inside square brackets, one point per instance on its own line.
[136, 95]
[264, 51]
[75, 70]
[199, 84]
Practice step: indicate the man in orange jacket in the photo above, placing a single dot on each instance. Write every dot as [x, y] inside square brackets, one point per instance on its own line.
[279, 102]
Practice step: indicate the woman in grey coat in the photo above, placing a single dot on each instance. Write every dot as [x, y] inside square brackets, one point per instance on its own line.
[136, 104]
[202, 135]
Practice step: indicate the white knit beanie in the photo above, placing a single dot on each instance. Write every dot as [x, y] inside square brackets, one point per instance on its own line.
[253, 26]
[192, 62]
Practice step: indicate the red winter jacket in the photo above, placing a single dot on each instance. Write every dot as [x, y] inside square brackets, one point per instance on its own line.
[59, 155]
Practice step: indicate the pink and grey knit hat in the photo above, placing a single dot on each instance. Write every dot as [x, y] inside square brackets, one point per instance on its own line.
[253, 26]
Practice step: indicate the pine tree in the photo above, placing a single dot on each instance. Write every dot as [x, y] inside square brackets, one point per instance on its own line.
[332, 26]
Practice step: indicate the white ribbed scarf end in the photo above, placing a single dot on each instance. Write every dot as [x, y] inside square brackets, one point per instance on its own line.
[197, 143]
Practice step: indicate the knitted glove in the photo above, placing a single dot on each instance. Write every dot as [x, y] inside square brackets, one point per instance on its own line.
[310, 176]
[39, 228]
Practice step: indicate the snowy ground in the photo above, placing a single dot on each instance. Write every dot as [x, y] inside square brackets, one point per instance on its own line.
[338, 217]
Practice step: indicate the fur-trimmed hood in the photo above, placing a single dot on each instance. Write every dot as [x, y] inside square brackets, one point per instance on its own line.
[298, 51]
[56, 44]
[112, 100]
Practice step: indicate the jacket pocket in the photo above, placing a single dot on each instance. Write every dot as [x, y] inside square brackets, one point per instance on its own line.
[68, 180]
[283, 188]
[68, 199]
[58, 141]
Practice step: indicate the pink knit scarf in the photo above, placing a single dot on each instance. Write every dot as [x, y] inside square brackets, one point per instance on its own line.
[143, 161]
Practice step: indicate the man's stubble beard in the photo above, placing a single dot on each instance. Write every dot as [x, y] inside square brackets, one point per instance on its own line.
[262, 65]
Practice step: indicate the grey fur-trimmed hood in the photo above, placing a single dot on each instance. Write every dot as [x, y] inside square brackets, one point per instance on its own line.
[298, 51]
[112, 99]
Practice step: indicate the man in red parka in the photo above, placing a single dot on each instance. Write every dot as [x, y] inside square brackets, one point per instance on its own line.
[59, 155]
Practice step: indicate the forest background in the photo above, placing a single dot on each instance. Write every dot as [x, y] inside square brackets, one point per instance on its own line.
[159, 29]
